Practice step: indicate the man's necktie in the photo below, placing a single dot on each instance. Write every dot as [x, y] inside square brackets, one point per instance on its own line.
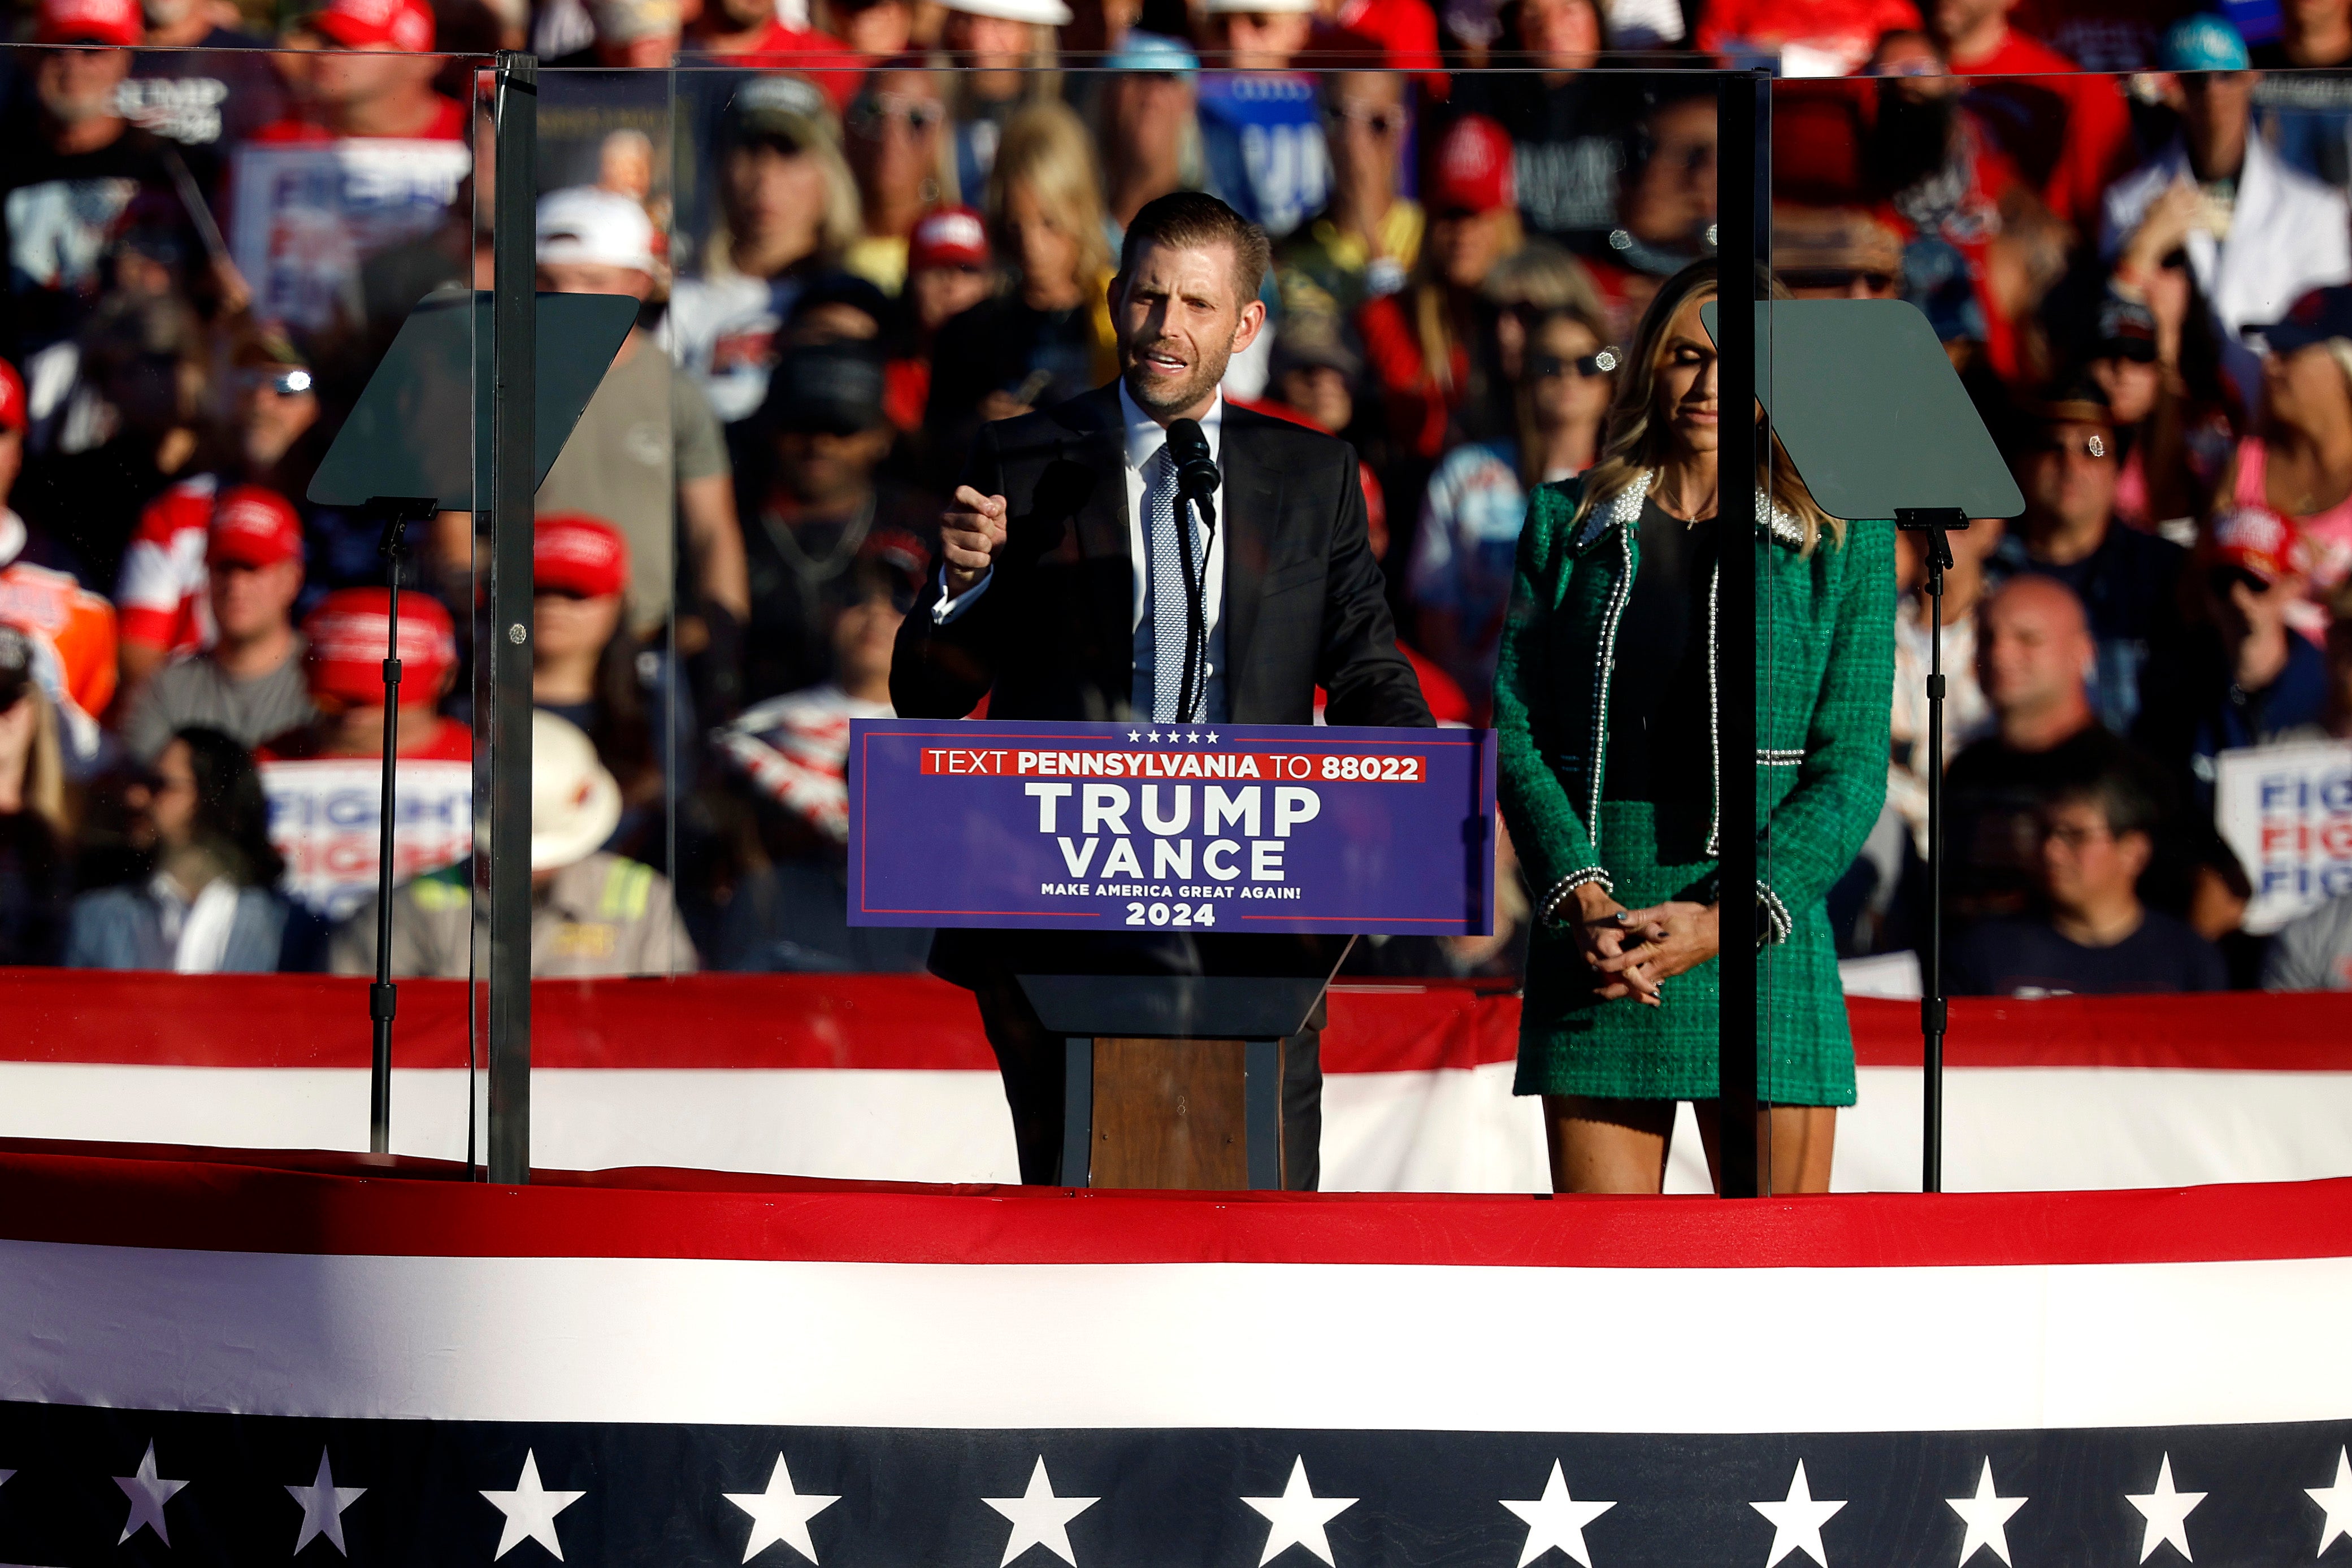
[1164, 536]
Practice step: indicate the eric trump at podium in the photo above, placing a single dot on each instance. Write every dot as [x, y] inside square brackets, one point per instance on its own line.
[1064, 595]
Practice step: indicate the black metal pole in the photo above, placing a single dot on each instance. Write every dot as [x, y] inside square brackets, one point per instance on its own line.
[1741, 242]
[513, 480]
[383, 998]
[1933, 522]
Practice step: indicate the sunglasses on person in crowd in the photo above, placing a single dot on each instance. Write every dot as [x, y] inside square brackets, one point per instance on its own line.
[2223, 579]
[1543, 367]
[1840, 279]
[870, 116]
[1378, 121]
[2139, 350]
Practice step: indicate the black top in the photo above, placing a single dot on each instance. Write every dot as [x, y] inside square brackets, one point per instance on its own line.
[1993, 799]
[1661, 721]
[2027, 959]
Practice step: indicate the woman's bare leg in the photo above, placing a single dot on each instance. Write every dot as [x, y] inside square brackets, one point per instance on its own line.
[1607, 1145]
[1802, 1138]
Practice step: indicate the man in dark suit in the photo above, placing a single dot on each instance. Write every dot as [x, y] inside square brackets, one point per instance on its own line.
[1061, 596]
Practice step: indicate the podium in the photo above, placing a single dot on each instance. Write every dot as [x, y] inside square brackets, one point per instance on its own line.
[1175, 1081]
[1170, 904]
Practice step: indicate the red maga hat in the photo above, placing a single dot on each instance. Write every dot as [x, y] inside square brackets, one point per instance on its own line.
[2259, 540]
[375, 24]
[952, 236]
[1474, 168]
[347, 634]
[116, 22]
[571, 552]
[14, 415]
[253, 526]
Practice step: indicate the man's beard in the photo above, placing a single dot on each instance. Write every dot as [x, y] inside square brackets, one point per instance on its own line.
[1162, 400]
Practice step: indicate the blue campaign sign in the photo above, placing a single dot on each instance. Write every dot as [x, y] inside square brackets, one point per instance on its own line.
[1231, 828]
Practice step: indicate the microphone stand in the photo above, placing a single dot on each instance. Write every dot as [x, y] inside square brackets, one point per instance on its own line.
[1195, 692]
[382, 996]
[1933, 521]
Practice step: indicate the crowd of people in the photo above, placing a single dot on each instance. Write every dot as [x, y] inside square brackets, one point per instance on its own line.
[872, 226]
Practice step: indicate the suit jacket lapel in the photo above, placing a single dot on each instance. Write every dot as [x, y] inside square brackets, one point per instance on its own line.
[1101, 525]
[1251, 515]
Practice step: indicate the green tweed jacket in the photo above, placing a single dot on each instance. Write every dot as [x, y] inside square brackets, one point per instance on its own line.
[1823, 686]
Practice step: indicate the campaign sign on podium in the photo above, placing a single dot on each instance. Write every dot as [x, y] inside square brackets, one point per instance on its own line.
[1223, 828]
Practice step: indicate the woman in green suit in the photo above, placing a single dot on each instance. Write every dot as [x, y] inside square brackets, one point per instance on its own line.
[1605, 702]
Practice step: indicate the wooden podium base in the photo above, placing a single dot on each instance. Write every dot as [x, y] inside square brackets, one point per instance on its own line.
[1201, 1116]
[1168, 1113]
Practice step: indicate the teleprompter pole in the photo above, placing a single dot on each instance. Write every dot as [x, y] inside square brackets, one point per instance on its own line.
[1933, 521]
[384, 996]
[513, 477]
[1741, 242]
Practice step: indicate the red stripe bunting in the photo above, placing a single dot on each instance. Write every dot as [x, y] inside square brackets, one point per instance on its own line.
[836, 1021]
[228, 1200]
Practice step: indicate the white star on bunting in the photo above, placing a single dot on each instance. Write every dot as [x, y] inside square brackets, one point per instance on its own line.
[1797, 1521]
[2338, 1502]
[1987, 1517]
[1135, 735]
[148, 1493]
[1557, 1519]
[1194, 737]
[780, 1514]
[531, 1510]
[322, 1508]
[2166, 1512]
[1212, 738]
[1039, 1518]
[1297, 1518]
[1155, 734]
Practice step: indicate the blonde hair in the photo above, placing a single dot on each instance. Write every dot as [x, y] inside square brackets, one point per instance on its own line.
[841, 226]
[1045, 146]
[1433, 321]
[43, 784]
[1630, 446]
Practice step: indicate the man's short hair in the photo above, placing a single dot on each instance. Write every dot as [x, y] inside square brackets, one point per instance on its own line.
[2129, 806]
[1190, 220]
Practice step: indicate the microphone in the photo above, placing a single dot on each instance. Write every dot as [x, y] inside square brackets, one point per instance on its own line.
[1196, 471]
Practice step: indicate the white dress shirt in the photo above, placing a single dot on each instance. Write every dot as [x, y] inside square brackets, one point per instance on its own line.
[1145, 437]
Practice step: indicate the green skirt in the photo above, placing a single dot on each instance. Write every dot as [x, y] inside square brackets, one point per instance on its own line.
[1573, 1043]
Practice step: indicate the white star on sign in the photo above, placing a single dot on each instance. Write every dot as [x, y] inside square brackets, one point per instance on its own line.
[779, 1513]
[1556, 1519]
[531, 1510]
[148, 1493]
[1797, 1521]
[1194, 737]
[2337, 1500]
[1135, 735]
[1039, 1518]
[2166, 1512]
[1987, 1517]
[322, 1508]
[1297, 1518]
[1155, 734]
[1212, 738]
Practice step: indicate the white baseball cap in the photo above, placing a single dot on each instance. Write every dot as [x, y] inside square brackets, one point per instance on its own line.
[575, 804]
[1047, 13]
[603, 228]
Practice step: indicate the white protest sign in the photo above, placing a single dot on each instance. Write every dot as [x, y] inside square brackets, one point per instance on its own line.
[307, 215]
[322, 818]
[2287, 811]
